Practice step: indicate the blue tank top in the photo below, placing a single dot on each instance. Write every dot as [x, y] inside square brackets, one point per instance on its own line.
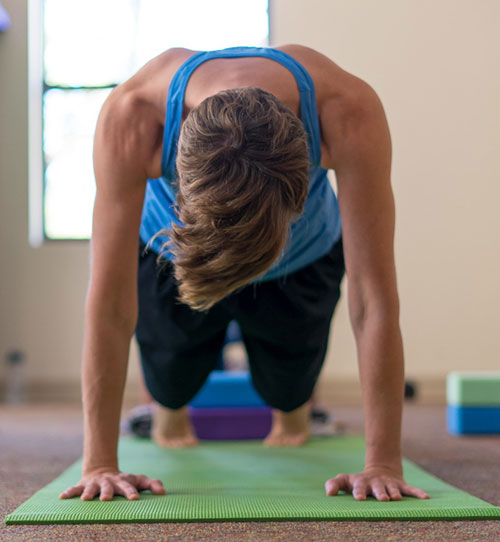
[318, 227]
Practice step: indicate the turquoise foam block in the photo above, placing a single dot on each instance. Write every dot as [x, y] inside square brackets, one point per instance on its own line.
[473, 388]
[246, 481]
[473, 420]
[228, 389]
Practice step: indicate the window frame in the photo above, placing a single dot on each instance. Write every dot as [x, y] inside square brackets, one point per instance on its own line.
[35, 129]
[37, 87]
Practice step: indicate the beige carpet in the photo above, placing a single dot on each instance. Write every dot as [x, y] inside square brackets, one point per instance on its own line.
[38, 442]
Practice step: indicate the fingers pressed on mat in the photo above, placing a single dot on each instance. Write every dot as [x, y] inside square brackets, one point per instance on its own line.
[107, 491]
[90, 491]
[394, 493]
[340, 482]
[414, 492]
[359, 491]
[73, 491]
[154, 485]
[127, 490]
[332, 487]
[379, 492]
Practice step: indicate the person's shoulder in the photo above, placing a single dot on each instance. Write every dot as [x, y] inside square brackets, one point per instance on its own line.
[346, 103]
[129, 128]
[131, 121]
[169, 60]
[331, 81]
[302, 53]
[315, 62]
[143, 95]
[143, 86]
[337, 90]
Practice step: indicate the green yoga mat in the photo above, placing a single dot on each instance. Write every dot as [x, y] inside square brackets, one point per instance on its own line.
[244, 481]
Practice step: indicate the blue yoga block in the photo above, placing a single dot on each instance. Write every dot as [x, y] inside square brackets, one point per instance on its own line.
[473, 419]
[228, 389]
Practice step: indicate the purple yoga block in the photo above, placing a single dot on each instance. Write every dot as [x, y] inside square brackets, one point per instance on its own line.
[231, 423]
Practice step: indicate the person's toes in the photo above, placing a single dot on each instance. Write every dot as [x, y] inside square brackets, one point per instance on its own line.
[272, 440]
[290, 440]
[176, 442]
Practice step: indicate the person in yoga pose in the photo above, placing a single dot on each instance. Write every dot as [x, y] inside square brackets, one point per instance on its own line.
[213, 204]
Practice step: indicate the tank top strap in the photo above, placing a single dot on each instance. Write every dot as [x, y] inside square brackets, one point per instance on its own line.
[177, 88]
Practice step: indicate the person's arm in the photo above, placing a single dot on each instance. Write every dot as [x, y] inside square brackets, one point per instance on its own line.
[122, 146]
[362, 150]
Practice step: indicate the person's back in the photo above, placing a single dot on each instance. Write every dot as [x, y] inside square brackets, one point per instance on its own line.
[261, 161]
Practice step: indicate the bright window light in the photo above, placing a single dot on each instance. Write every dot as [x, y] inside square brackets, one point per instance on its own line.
[90, 46]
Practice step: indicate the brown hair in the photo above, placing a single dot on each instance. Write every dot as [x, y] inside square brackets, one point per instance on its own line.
[243, 168]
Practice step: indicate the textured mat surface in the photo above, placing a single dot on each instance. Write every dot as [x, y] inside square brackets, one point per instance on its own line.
[241, 481]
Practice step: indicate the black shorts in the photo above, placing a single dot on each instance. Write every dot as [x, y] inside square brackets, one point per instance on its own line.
[284, 324]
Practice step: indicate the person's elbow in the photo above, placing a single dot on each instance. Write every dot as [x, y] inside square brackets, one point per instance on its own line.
[119, 312]
[373, 305]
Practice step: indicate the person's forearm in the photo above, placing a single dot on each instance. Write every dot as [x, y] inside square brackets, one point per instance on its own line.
[381, 364]
[104, 368]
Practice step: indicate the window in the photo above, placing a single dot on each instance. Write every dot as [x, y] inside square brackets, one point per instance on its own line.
[83, 50]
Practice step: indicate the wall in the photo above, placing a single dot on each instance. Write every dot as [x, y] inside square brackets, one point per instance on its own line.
[42, 290]
[435, 67]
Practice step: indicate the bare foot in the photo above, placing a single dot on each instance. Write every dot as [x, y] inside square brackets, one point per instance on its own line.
[290, 428]
[172, 428]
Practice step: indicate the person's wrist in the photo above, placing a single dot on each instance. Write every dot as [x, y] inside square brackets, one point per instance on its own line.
[99, 468]
[385, 467]
[388, 459]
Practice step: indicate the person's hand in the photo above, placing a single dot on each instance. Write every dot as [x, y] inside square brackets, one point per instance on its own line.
[383, 483]
[109, 482]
